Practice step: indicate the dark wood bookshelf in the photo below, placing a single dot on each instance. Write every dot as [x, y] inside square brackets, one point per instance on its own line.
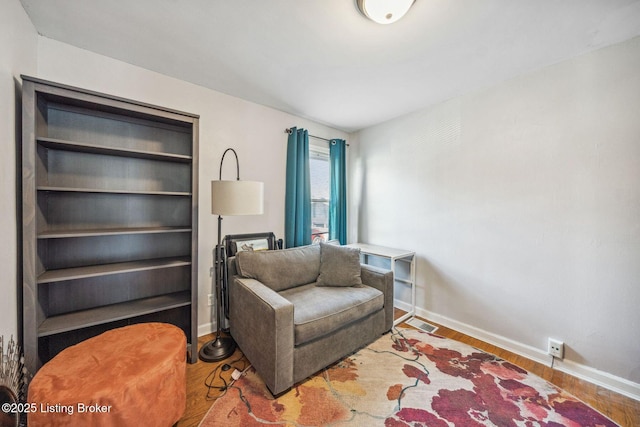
[109, 224]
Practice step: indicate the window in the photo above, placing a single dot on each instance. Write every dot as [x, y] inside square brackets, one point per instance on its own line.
[319, 173]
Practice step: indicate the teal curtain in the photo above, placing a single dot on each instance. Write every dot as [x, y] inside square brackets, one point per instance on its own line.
[338, 193]
[297, 221]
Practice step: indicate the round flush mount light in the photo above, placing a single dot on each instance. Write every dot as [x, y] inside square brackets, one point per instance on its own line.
[384, 11]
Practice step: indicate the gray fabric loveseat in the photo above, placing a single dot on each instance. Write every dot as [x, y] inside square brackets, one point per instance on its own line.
[296, 311]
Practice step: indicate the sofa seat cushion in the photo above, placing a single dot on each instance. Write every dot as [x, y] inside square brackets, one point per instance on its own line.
[319, 311]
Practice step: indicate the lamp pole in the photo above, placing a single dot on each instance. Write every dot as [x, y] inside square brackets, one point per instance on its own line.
[222, 346]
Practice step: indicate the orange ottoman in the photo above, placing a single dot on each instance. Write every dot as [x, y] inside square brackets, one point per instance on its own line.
[130, 376]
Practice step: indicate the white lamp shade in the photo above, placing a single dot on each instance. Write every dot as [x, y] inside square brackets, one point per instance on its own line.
[384, 11]
[237, 198]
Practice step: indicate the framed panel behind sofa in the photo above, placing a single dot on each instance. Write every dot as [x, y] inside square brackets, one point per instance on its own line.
[234, 243]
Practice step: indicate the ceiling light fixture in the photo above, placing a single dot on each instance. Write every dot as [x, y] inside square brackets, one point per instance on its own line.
[384, 11]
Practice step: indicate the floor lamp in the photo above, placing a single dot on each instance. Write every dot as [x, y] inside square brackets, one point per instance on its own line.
[228, 198]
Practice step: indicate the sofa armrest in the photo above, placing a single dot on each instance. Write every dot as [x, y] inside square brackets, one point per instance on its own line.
[383, 281]
[261, 322]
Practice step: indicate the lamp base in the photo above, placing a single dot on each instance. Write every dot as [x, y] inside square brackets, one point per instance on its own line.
[218, 349]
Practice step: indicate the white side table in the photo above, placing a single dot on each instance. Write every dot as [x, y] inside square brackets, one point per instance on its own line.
[394, 255]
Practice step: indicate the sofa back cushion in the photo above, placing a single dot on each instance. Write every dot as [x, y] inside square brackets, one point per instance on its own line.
[281, 269]
[339, 266]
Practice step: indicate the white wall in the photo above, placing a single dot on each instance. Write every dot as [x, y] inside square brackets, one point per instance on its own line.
[522, 202]
[18, 48]
[254, 131]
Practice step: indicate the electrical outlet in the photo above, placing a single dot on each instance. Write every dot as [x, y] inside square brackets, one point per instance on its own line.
[210, 300]
[556, 348]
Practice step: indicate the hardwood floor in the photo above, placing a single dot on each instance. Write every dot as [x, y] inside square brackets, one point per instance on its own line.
[621, 409]
[199, 396]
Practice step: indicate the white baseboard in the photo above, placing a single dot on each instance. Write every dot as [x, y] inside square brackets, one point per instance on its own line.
[601, 378]
[206, 329]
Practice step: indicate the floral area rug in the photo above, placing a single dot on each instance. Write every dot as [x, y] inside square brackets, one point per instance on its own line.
[407, 378]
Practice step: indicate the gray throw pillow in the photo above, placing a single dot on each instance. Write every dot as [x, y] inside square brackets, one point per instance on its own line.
[339, 266]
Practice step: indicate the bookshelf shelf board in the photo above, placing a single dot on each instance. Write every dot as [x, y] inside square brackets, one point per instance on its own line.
[92, 232]
[111, 313]
[61, 144]
[108, 191]
[76, 273]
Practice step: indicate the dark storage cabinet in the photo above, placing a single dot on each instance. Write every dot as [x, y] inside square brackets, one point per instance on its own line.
[109, 204]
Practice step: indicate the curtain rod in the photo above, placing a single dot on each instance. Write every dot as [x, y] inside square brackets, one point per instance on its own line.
[288, 130]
